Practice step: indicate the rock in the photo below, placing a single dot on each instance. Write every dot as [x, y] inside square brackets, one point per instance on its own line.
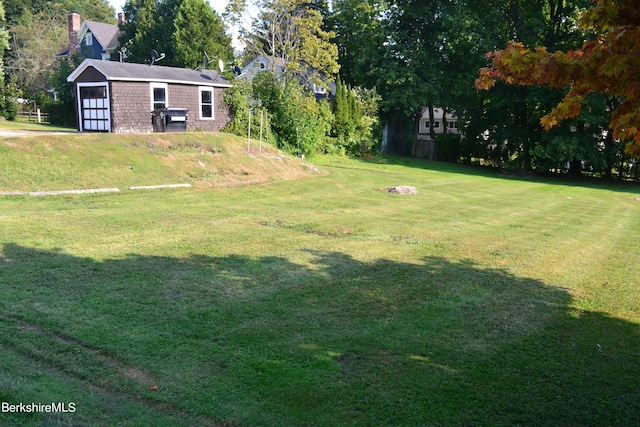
[402, 189]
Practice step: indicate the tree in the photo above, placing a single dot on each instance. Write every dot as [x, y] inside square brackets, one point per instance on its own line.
[299, 123]
[95, 10]
[181, 29]
[289, 32]
[360, 38]
[606, 64]
[198, 29]
[4, 43]
[35, 42]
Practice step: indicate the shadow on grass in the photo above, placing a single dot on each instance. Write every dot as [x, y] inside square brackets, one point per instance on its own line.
[483, 171]
[239, 340]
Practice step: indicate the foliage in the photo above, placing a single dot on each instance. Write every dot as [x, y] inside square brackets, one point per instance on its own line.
[181, 29]
[198, 29]
[355, 120]
[448, 146]
[606, 64]
[288, 32]
[4, 43]
[238, 99]
[62, 111]
[19, 11]
[35, 41]
[299, 123]
[9, 95]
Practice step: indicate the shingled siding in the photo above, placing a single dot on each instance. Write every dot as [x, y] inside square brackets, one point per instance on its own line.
[130, 94]
[130, 107]
[187, 96]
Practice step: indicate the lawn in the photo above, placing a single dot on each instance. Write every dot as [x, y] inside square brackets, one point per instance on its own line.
[482, 300]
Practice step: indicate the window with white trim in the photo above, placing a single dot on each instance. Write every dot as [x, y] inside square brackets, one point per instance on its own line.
[206, 103]
[159, 96]
[88, 39]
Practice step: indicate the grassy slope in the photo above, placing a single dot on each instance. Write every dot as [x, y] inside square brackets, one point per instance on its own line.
[45, 162]
[326, 301]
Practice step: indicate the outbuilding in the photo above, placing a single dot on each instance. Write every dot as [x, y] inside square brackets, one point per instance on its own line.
[123, 97]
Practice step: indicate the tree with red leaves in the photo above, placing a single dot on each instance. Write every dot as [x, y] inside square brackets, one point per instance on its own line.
[608, 64]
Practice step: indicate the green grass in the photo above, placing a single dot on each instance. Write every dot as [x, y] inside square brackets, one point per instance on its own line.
[26, 125]
[54, 161]
[483, 300]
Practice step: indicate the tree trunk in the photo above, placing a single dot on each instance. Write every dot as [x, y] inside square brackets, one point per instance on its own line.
[433, 148]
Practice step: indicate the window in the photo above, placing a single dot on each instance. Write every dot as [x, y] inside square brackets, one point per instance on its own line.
[263, 66]
[452, 125]
[321, 90]
[89, 39]
[158, 96]
[206, 103]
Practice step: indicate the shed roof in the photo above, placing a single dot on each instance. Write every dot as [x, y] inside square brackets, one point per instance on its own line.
[126, 71]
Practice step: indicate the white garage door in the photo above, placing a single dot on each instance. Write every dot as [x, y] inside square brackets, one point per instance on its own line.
[94, 108]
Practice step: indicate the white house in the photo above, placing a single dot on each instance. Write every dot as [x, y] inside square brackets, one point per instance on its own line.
[394, 136]
[439, 122]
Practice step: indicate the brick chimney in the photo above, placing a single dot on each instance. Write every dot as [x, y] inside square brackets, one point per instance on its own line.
[121, 19]
[74, 27]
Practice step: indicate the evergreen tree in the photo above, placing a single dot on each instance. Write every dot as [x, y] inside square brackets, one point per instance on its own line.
[181, 29]
[198, 29]
[341, 112]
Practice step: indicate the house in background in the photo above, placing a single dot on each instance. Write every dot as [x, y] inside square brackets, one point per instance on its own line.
[277, 65]
[120, 97]
[95, 40]
[395, 135]
[425, 147]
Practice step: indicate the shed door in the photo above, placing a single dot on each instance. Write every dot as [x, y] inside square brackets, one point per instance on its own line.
[94, 108]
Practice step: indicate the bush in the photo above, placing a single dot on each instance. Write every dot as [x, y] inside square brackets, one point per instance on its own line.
[448, 147]
[9, 101]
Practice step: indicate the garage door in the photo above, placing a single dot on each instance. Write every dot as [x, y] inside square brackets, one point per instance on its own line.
[94, 104]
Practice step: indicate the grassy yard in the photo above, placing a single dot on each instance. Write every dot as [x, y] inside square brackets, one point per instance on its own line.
[482, 300]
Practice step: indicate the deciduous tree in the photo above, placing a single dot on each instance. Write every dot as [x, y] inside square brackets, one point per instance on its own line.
[607, 64]
[289, 32]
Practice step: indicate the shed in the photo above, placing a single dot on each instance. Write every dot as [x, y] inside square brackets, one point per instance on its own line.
[120, 97]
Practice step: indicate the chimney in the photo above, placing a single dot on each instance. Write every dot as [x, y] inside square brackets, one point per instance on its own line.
[121, 19]
[74, 27]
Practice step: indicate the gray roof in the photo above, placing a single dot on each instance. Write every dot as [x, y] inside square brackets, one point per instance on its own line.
[125, 71]
[106, 34]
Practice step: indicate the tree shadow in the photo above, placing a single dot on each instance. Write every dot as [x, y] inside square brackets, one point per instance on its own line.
[484, 171]
[333, 341]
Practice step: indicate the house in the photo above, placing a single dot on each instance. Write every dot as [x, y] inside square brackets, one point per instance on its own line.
[95, 40]
[278, 65]
[395, 135]
[439, 122]
[120, 97]
[442, 123]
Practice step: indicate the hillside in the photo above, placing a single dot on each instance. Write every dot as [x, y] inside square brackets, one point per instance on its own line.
[56, 161]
